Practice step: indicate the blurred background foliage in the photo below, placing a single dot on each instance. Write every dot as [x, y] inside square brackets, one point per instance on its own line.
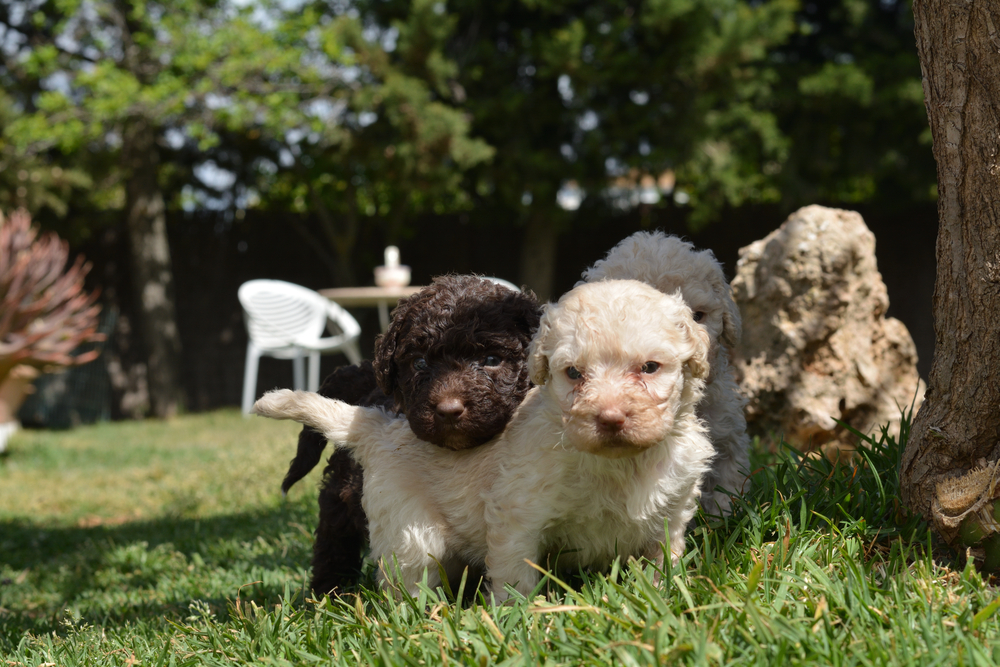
[376, 111]
[352, 123]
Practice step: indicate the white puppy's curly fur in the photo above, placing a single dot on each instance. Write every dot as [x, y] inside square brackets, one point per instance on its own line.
[670, 264]
[598, 458]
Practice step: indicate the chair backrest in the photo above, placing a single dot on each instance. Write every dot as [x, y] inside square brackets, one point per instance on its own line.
[501, 281]
[280, 314]
[349, 327]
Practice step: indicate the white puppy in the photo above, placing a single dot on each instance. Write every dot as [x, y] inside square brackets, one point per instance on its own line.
[596, 461]
[670, 264]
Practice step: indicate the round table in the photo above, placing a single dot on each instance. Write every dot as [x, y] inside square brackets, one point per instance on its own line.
[380, 297]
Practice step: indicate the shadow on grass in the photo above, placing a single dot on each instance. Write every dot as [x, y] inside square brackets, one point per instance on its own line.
[24, 544]
[147, 572]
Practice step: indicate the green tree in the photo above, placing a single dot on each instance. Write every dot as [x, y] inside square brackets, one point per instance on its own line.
[393, 144]
[149, 90]
[110, 77]
[850, 101]
[29, 181]
[740, 102]
[590, 92]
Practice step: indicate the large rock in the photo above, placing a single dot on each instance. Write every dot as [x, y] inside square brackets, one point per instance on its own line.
[816, 344]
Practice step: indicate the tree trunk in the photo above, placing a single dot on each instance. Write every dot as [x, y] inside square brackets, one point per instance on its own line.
[340, 232]
[538, 256]
[152, 275]
[958, 426]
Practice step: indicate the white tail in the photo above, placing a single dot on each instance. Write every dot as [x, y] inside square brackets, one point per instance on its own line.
[343, 425]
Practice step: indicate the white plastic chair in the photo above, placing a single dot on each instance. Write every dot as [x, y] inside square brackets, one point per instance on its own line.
[287, 321]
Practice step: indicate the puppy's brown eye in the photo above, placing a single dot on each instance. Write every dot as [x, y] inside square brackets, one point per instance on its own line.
[492, 360]
[650, 367]
[573, 374]
[420, 364]
[699, 315]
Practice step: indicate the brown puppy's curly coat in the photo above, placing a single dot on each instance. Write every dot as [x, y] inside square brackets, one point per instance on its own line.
[454, 361]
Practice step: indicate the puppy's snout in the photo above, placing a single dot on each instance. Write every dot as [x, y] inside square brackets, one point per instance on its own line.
[450, 409]
[611, 419]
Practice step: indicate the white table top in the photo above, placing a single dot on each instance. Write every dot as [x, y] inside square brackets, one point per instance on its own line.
[380, 297]
[368, 296]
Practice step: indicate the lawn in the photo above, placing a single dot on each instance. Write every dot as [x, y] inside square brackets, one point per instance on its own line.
[169, 543]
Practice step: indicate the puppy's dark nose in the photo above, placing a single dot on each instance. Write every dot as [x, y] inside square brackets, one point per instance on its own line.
[611, 420]
[450, 409]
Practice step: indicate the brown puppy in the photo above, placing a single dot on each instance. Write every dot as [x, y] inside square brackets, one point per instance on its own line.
[454, 361]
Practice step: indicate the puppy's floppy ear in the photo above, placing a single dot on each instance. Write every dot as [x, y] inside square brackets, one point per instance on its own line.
[384, 364]
[386, 346]
[538, 360]
[523, 310]
[698, 363]
[732, 326]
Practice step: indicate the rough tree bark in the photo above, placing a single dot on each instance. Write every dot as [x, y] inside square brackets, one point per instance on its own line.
[152, 274]
[958, 426]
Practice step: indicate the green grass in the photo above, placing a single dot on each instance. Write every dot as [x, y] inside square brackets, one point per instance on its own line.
[168, 543]
[133, 522]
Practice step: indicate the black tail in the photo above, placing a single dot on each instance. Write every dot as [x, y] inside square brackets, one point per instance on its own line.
[307, 455]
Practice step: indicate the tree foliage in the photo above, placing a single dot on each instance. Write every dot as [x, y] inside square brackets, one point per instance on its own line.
[311, 111]
[371, 112]
[592, 96]
[851, 105]
[392, 143]
[342, 116]
[745, 102]
[30, 182]
[732, 102]
[591, 92]
[151, 97]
